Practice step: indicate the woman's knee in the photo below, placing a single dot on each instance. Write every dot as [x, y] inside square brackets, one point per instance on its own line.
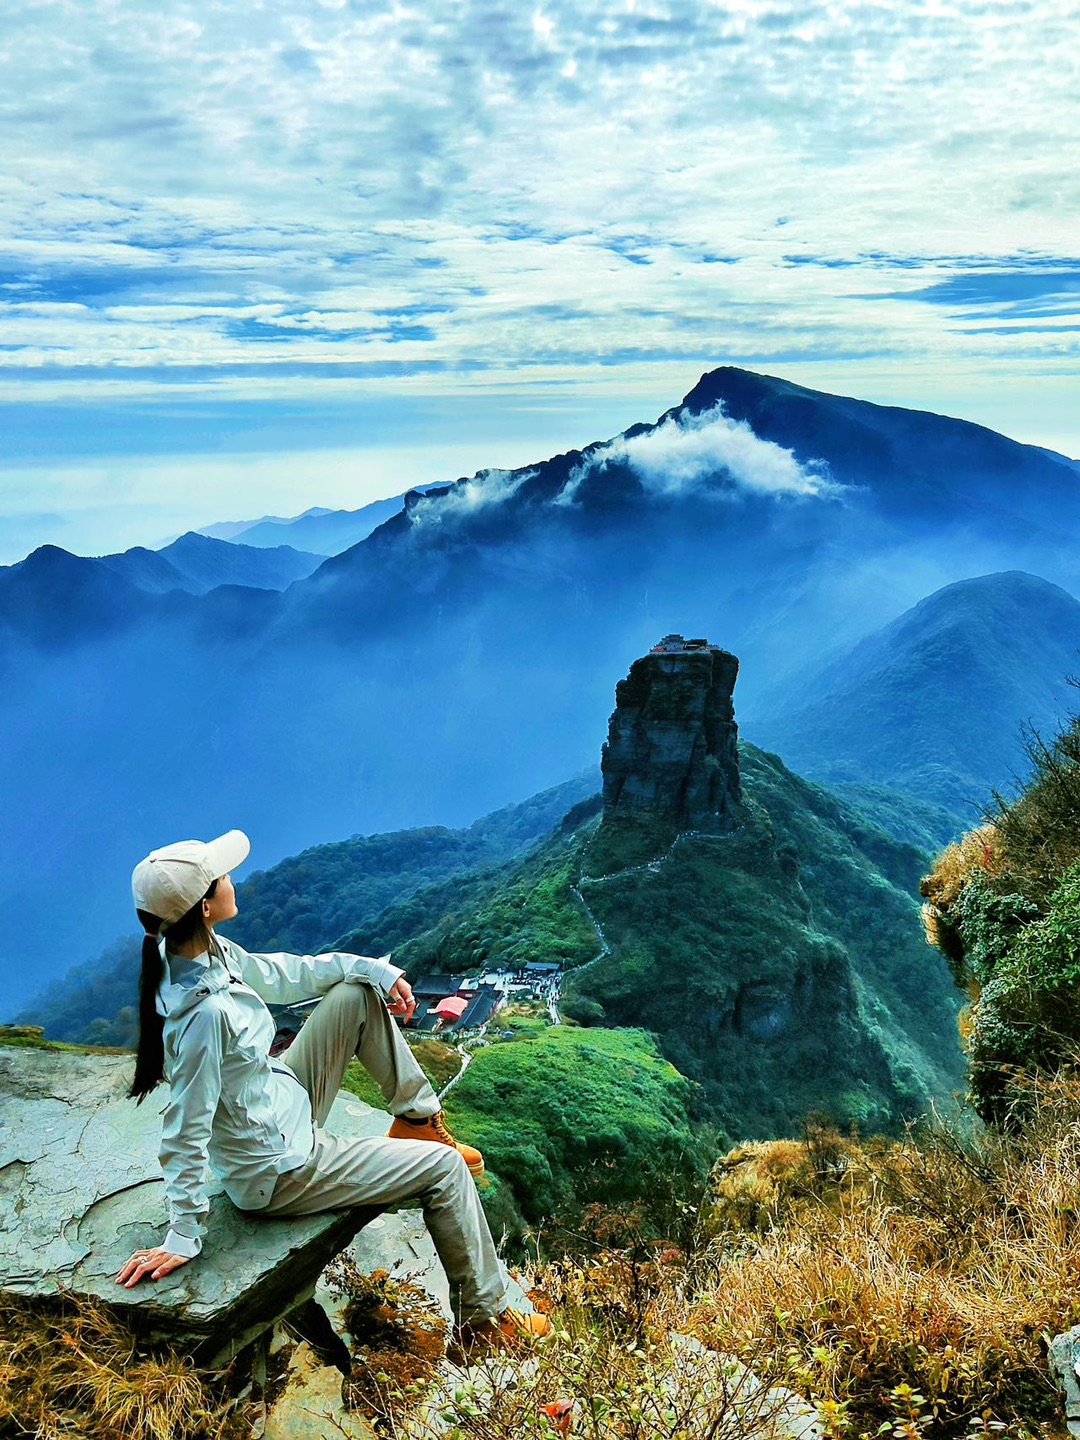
[449, 1172]
[350, 995]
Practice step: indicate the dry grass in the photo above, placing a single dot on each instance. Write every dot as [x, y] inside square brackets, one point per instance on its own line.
[398, 1338]
[756, 1184]
[903, 1289]
[981, 849]
[616, 1368]
[919, 1292]
[76, 1372]
[980, 853]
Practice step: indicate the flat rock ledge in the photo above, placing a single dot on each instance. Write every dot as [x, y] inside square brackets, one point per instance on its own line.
[80, 1189]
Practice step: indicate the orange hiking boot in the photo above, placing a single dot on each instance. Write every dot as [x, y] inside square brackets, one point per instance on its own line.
[511, 1331]
[434, 1127]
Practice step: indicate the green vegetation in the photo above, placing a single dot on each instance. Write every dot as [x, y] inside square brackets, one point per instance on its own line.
[96, 1003]
[907, 818]
[1028, 1014]
[567, 1117]
[440, 1063]
[24, 1037]
[512, 914]
[1004, 907]
[525, 914]
[781, 965]
[305, 903]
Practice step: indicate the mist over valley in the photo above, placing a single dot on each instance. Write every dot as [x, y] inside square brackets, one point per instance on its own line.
[462, 655]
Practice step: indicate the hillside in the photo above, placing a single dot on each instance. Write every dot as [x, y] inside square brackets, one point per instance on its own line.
[782, 967]
[568, 1118]
[463, 653]
[936, 702]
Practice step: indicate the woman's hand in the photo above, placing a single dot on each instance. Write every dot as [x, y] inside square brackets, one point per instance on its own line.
[154, 1263]
[401, 999]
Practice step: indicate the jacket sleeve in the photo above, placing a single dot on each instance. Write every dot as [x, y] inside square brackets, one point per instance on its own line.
[195, 1089]
[282, 979]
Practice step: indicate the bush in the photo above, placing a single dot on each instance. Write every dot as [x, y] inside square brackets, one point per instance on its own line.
[1039, 829]
[1028, 1016]
[1003, 905]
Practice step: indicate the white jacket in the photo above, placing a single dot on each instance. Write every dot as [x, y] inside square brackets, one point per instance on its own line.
[230, 1106]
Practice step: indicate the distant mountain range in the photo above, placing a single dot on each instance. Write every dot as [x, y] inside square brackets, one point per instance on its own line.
[326, 532]
[55, 596]
[464, 652]
[197, 563]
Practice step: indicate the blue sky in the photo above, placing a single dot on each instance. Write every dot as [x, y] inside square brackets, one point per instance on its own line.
[256, 257]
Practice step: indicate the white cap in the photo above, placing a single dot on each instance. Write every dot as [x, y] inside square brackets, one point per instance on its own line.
[173, 879]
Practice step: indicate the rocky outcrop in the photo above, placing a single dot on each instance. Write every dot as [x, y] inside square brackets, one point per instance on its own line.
[671, 752]
[1064, 1356]
[80, 1190]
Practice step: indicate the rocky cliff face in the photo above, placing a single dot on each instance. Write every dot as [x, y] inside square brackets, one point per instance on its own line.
[671, 753]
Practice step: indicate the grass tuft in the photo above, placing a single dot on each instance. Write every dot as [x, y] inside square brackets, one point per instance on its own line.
[75, 1371]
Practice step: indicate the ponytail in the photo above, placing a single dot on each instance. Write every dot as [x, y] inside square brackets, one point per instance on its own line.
[150, 1055]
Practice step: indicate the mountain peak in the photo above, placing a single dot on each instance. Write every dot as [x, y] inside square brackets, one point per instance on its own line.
[736, 389]
[52, 559]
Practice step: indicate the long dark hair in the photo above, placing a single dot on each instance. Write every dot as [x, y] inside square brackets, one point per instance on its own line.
[150, 1054]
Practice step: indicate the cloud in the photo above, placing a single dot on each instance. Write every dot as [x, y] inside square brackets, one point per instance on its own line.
[468, 497]
[688, 453]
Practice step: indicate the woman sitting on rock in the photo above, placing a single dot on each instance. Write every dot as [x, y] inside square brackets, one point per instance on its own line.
[257, 1121]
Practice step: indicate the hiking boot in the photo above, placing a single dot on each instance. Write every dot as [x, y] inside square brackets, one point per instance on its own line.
[513, 1330]
[434, 1127]
[310, 1322]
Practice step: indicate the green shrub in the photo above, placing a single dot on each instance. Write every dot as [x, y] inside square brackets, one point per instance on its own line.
[1028, 1016]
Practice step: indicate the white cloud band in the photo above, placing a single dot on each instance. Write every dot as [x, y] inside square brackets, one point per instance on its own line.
[710, 453]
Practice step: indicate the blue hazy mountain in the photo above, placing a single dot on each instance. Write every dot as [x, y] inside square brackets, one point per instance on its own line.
[233, 529]
[326, 532]
[308, 901]
[54, 600]
[936, 703]
[197, 563]
[464, 653]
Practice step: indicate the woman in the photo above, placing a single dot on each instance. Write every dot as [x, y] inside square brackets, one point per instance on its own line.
[257, 1122]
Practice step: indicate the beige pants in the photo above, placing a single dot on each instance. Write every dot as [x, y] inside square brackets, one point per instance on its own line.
[352, 1020]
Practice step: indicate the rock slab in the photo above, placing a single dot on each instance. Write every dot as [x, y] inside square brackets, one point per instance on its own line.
[80, 1189]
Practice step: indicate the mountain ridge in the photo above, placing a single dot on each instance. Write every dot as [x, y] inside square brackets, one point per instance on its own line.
[464, 652]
